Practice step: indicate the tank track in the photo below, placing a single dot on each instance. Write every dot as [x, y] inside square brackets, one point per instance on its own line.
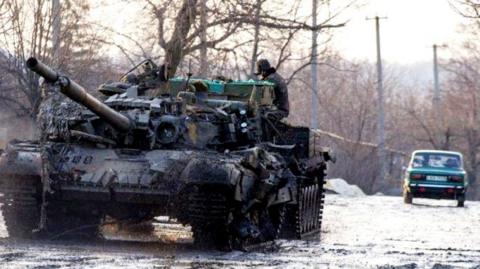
[208, 208]
[311, 199]
[21, 208]
[210, 212]
[304, 219]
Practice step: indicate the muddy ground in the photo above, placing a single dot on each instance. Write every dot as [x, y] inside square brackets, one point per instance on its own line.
[365, 232]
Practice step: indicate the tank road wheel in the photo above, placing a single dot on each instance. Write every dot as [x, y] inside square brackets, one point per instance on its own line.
[21, 208]
[304, 219]
[407, 197]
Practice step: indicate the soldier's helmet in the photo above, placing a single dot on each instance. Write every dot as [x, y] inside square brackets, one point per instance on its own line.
[262, 66]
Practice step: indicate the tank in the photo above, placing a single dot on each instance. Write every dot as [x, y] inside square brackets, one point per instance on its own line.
[199, 151]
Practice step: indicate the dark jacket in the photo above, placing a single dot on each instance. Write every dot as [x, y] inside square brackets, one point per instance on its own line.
[280, 90]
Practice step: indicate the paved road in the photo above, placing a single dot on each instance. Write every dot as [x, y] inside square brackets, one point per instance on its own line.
[364, 232]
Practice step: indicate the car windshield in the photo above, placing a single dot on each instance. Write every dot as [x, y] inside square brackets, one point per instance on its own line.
[436, 160]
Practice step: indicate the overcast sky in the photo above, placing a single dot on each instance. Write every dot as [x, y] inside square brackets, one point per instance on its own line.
[407, 34]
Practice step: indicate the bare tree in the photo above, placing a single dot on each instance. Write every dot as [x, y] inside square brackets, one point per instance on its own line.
[467, 8]
[455, 124]
[463, 99]
[189, 31]
[191, 25]
[74, 51]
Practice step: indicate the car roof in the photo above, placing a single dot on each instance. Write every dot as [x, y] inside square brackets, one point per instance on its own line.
[437, 151]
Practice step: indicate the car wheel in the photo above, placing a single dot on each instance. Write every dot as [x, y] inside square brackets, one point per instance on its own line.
[461, 201]
[407, 197]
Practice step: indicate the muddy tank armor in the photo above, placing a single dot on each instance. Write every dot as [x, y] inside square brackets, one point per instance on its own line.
[213, 163]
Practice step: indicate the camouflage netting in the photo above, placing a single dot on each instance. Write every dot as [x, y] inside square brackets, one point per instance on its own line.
[54, 114]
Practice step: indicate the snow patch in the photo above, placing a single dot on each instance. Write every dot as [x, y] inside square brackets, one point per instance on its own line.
[340, 186]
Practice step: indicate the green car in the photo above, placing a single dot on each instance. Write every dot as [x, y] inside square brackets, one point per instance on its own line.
[435, 174]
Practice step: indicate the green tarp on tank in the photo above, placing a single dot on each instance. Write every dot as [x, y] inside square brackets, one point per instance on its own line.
[232, 90]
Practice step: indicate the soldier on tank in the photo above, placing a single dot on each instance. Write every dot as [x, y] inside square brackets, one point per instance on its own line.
[201, 91]
[269, 73]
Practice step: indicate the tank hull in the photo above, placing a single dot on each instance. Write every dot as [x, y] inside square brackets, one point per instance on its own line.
[155, 178]
[203, 189]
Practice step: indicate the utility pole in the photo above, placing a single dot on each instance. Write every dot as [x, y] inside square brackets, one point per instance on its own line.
[256, 39]
[436, 90]
[203, 39]
[56, 24]
[382, 171]
[314, 110]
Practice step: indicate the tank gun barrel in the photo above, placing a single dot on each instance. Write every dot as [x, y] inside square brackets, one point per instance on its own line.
[78, 94]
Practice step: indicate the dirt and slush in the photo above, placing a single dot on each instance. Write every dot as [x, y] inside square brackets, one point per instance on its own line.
[358, 232]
